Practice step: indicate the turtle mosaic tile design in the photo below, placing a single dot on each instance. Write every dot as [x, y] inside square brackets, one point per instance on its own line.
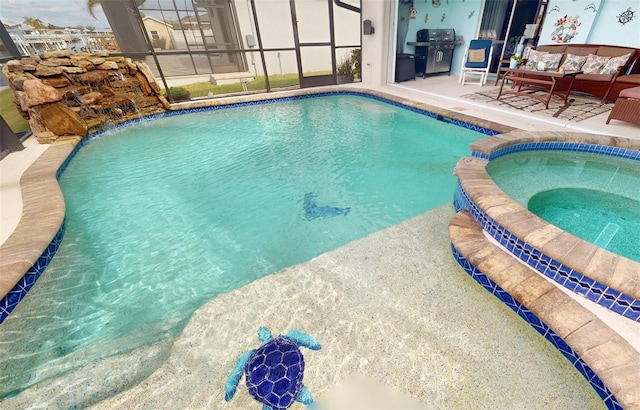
[313, 210]
[273, 372]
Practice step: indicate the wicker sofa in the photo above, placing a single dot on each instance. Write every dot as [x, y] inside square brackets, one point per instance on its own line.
[605, 86]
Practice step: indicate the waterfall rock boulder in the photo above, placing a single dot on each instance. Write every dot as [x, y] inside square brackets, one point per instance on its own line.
[76, 94]
[44, 71]
[35, 92]
[56, 62]
[92, 77]
[56, 82]
[107, 65]
[61, 120]
[148, 75]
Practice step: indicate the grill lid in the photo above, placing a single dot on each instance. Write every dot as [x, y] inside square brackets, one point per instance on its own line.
[436, 35]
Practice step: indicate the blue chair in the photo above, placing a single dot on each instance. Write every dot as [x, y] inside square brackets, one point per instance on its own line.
[476, 61]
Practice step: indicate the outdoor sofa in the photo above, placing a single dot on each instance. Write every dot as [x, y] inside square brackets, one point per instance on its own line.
[607, 69]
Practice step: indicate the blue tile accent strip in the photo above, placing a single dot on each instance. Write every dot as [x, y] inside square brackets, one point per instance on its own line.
[561, 274]
[11, 300]
[607, 397]
[19, 291]
[562, 146]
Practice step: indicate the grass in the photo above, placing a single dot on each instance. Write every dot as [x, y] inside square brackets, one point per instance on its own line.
[10, 113]
[202, 89]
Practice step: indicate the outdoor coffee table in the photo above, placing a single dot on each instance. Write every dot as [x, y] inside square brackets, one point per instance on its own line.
[528, 81]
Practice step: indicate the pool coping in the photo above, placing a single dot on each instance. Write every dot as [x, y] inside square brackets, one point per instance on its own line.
[605, 359]
[617, 277]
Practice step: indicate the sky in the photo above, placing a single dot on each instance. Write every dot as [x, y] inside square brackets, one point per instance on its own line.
[64, 13]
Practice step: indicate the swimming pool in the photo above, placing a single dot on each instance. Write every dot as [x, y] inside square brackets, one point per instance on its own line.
[182, 212]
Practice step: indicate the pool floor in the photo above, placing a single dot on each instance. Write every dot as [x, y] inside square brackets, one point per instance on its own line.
[446, 343]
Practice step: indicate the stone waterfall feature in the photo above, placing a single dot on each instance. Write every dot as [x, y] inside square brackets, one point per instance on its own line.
[60, 93]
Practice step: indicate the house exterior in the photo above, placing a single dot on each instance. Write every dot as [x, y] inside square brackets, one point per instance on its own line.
[613, 22]
[160, 33]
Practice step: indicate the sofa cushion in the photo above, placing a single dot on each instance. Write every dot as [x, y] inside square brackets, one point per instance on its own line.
[604, 78]
[535, 57]
[633, 93]
[573, 62]
[594, 64]
[552, 48]
[633, 79]
[552, 60]
[583, 50]
[614, 62]
[613, 51]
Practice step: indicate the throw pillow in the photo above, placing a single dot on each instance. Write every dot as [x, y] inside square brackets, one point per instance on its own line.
[594, 64]
[476, 56]
[534, 57]
[552, 60]
[614, 62]
[574, 62]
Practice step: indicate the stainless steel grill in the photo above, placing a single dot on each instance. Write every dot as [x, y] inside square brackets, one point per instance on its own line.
[433, 50]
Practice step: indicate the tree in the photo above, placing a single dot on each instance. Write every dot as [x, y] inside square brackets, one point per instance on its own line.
[35, 23]
[90, 5]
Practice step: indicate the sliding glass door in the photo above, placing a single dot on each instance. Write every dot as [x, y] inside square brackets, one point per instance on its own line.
[505, 21]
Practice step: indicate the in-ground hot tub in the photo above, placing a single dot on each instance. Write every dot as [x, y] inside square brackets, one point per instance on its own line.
[599, 274]
[609, 360]
[595, 197]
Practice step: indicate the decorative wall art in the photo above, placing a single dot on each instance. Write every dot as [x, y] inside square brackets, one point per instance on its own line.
[435, 3]
[626, 16]
[471, 14]
[443, 17]
[412, 13]
[569, 21]
[591, 7]
[426, 18]
[566, 29]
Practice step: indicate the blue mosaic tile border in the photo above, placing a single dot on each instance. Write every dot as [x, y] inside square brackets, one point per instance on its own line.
[562, 146]
[605, 394]
[473, 127]
[9, 302]
[575, 281]
[19, 291]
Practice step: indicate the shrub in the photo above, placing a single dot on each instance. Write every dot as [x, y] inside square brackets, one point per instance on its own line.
[160, 43]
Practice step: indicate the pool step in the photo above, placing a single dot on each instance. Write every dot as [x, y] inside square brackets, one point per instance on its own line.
[608, 354]
[607, 235]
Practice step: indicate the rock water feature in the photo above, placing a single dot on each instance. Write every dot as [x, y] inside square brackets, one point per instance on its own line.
[60, 93]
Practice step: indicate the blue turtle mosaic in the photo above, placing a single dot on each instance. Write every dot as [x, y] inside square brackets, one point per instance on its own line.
[273, 372]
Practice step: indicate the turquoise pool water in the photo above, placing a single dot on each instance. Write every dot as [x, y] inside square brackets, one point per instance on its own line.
[594, 197]
[607, 220]
[165, 215]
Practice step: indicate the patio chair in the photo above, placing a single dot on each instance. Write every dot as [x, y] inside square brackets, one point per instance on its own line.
[476, 61]
[627, 106]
